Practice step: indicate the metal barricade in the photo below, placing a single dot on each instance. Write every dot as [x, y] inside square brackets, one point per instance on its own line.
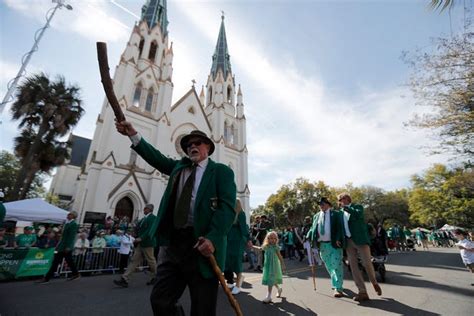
[93, 261]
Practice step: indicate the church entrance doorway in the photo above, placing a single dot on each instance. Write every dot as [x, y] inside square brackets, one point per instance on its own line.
[124, 208]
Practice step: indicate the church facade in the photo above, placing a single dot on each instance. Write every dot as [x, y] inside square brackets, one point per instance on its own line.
[113, 180]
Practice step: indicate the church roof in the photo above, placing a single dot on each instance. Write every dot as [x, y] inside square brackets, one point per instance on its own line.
[221, 57]
[155, 12]
[79, 150]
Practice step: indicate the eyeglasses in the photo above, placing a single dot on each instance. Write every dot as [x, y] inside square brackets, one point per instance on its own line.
[196, 143]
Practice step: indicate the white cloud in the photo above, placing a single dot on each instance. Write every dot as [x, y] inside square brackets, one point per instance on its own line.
[296, 128]
[91, 19]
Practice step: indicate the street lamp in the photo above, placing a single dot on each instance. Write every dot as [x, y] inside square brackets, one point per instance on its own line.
[26, 58]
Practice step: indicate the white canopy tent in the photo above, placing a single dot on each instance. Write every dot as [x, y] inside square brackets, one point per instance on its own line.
[34, 210]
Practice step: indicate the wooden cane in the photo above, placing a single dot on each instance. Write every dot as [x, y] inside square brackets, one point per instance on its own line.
[107, 81]
[218, 272]
[313, 272]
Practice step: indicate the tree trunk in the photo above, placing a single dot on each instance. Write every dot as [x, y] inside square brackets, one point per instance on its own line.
[27, 183]
[27, 163]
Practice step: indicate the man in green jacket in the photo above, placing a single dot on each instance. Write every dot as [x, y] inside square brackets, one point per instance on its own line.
[195, 215]
[64, 249]
[144, 248]
[358, 245]
[328, 232]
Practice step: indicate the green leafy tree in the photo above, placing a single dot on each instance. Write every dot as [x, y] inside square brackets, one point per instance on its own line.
[9, 168]
[46, 111]
[442, 195]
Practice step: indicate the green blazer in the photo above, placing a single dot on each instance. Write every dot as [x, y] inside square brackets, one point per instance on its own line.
[145, 227]
[337, 228]
[213, 207]
[68, 237]
[357, 225]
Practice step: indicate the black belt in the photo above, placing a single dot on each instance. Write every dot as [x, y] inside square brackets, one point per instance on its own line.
[325, 241]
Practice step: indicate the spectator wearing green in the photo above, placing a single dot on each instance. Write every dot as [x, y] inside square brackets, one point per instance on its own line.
[27, 239]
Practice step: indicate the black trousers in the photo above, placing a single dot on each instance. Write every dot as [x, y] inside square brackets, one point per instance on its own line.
[178, 268]
[229, 276]
[58, 258]
[123, 262]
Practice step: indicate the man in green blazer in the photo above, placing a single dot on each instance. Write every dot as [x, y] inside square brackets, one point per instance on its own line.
[64, 249]
[144, 248]
[328, 232]
[358, 245]
[195, 215]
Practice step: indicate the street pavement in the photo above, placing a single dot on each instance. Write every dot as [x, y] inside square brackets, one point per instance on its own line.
[433, 282]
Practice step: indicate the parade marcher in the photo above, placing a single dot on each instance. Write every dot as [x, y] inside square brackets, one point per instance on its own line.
[466, 248]
[358, 245]
[421, 238]
[196, 213]
[237, 240]
[27, 239]
[289, 241]
[144, 247]
[328, 231]
[311, 247]
[3, 211]
[272, 269]
[64, 249]
[126, 243]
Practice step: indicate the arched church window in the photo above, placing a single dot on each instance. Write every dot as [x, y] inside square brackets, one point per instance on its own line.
[229, 94]
[140, 47]
[137, 95]
[152, 53]
[149, 100]
[231, 134]
[226, 132]
[209, 95]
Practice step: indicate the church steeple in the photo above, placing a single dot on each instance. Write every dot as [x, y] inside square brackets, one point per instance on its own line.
[155, 12]
[221, 58]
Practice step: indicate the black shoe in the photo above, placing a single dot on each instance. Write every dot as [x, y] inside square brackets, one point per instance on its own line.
[258, 269]
[151, 282]
[74, 277]
[121, 282]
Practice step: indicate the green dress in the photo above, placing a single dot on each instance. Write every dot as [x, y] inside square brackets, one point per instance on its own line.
[272, 269]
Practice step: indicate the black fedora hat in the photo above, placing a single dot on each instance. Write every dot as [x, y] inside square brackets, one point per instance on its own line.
[184, 141]
[324, 200]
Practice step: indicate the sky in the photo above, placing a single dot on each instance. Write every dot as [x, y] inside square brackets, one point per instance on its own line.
[324, 86]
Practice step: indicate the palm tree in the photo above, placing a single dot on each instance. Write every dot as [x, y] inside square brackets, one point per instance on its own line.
[47, 110]
[441, 4]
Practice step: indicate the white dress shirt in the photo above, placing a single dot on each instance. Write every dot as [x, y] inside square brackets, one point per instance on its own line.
[327, 226]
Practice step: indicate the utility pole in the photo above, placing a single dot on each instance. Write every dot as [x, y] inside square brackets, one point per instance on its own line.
[26, 58]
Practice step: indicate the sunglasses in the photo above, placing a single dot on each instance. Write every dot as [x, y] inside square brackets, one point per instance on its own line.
[196, 143]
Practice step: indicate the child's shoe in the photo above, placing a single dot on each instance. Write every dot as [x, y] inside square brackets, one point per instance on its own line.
[279, 292]
[267, 300]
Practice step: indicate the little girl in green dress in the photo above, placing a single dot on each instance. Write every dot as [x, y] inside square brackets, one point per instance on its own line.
[272, 268]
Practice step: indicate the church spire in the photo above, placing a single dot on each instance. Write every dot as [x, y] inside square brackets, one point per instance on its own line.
[154, 12]
[221, 58]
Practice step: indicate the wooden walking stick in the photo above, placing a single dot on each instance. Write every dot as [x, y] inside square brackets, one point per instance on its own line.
[217, 271]
[313, 272]
[230, 297]
[107, 81]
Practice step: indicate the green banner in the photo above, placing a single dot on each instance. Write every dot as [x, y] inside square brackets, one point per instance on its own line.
[16, 263]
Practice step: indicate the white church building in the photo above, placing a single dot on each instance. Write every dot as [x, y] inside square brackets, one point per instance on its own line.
[104, 176]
